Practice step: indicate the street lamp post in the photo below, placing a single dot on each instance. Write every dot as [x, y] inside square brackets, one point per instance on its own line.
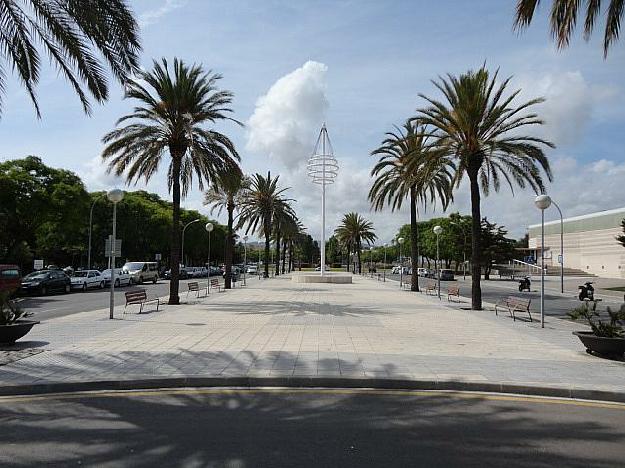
[115, 196]
[400, 241]
[209, 227]
[542, 202]
[183, 230]
[244, 259]
[437, 230]
[385, 246]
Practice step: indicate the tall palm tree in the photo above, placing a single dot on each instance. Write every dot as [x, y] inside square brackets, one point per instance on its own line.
[259, 203]
[565, 13]
[80, 38]
[409, 168]
[352, 231]
[283, 215]
[225, 193]
[479, 125]
[169, 119]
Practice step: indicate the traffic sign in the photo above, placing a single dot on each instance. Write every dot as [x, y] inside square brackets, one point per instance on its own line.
[157, 257]
[38, 265]
[118, 248]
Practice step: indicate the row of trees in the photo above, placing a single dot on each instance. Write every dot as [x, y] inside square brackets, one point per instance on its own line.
[45, 214]
[475, 131]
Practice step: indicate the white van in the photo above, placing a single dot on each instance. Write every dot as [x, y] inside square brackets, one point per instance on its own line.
[142, 271]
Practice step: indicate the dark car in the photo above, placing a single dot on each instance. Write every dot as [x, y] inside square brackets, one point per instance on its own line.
[182, 274]
[46, 281]
[236, 273]
[447, 275]
[10, 278]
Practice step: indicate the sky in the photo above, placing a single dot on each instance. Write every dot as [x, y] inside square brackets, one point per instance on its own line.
[359, 66]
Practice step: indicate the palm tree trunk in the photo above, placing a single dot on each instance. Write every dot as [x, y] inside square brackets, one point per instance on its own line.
[174, 284]
[476, 264]
[358, 246]
[229, 247]
[267, 247]
[414, 240]
[277, 265]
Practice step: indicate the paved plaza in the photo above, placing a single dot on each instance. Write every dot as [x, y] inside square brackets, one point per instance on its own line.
[277, 328]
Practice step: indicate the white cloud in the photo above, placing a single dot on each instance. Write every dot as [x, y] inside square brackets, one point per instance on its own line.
[286, 119]
[569, 104]
[152, 16]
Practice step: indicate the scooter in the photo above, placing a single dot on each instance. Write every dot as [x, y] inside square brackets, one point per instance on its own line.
[586, 291]
[525, 284]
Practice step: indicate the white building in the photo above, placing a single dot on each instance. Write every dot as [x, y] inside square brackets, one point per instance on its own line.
[590, 243]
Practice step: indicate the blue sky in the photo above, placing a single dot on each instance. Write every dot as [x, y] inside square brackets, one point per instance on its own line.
[367, 62]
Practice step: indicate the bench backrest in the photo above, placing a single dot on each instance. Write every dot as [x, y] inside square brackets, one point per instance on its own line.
[519, 302]
[431, 285]
[454, 290]
[193, 287]
[214, 281]
[133, 297]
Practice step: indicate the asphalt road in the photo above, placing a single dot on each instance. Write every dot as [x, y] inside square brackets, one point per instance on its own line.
[59, 305]
[308, 428]
[556, 304]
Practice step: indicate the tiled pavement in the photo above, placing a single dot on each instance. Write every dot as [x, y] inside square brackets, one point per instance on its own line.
[276, 328]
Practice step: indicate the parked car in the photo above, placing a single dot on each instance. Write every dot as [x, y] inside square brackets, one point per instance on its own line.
[327, 268]
[141, 272]
[423, 272]
[252, 270]
[199, 272]
[122, 278]
[447, 275]
[216, 271]
[10, 278]
[86, 279]
[183, 273]
[45, 281]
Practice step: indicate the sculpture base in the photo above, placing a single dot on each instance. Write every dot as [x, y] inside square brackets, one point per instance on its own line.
[335, 278]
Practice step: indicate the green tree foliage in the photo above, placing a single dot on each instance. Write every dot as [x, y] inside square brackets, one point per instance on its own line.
[79, 37]
[564, 15]
[334, 251]
[496, 247]
[479, 125]
[621, 238]
[175, 104]
[44, 213]
[352, 232]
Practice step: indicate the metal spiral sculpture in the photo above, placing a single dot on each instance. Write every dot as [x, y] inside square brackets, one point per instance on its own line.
[323, 169]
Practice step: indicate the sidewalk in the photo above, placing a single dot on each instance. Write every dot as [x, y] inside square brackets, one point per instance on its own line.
[274, 328]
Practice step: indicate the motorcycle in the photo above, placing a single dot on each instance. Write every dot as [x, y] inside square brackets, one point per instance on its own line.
[525, 284]
[586, 291]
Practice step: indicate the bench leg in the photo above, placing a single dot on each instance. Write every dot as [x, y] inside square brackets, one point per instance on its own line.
[158, 303]
[141, 308]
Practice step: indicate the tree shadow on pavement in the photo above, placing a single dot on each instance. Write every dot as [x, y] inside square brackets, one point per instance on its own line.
[306, 428]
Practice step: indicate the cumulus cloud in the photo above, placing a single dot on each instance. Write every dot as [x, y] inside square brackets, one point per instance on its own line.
[152, 16]
[569, 103]
[287, 117]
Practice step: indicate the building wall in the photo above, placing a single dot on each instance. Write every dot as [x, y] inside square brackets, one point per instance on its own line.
[589, 243]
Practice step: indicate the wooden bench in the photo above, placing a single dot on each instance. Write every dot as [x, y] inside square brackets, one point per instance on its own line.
[430, 286]
[453, 291]
[515, 304]
[215, 284]
[140, 297]
[193, 287]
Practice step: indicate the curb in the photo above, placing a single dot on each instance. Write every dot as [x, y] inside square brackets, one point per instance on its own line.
[314, 382]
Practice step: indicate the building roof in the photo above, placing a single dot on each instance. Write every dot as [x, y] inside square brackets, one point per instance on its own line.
[607, 219]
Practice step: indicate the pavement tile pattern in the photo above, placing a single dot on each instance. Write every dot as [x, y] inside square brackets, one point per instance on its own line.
[276, 328]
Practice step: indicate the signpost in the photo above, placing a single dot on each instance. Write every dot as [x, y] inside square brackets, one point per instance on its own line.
[108, 251]
[38, 265]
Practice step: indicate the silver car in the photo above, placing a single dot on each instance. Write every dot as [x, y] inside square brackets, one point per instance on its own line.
[122, 278]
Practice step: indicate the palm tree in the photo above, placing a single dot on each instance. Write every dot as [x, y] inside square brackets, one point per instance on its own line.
[169, 119]
[259, 204]
[72, 33]
[352, 231]
[479, 126]
[565, 13]
[408, 168]
[225, 194]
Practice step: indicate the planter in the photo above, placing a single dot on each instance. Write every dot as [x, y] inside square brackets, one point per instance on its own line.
[9, 334]
[602, 345]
